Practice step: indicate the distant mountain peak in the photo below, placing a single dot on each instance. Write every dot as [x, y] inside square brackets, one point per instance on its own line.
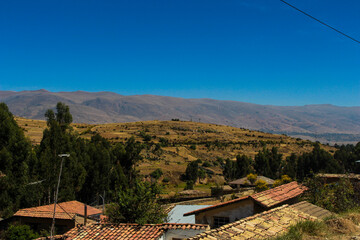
[110, 107]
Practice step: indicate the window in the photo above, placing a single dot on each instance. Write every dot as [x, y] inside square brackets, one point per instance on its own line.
[219, 221]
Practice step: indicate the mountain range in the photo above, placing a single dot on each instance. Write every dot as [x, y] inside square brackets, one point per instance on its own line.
[324, 122]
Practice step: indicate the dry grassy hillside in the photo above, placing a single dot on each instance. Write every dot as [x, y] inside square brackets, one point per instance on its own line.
[171, 144]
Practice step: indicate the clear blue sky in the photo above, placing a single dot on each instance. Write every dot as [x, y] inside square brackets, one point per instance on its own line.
[258, 51]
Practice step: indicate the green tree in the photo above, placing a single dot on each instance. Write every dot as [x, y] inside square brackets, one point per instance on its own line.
[57, 139]
[156, 173]
[243, 165]
[230, 170]
[291, 166]
[262, 165]
[267, 163]
[20, 232]
[192, 171]
[336, 197]
[17, 166]
[137, 205]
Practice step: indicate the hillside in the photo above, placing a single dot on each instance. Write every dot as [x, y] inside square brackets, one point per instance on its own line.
[326, 123]
[172, 144]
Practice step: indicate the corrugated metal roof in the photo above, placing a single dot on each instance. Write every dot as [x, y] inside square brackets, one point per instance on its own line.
[176, 214]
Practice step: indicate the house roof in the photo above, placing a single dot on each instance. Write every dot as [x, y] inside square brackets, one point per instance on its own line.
[312, 210]
[245, 181]
[268, 198]
[126, 231]
[176, 215]
[42, 214]
[260, 226]
[184, 226]
[277, 195]
[216, 206]
[73, 207]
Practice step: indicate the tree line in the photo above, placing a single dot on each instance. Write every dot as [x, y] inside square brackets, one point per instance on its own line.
[95, 167]
[270, 163]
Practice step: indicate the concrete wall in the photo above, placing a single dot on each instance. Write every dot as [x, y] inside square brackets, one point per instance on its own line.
[234, 211]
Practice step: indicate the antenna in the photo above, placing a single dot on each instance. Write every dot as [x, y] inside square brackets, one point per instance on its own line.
[56, 196]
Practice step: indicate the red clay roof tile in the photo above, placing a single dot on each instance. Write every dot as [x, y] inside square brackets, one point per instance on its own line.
[41, 214]
[279, 194]
[74, 207]
[127, 230]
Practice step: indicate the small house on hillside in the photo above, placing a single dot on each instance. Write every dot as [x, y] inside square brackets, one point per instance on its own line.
[264, 225]
[244, 182]
[127, 231]
[233, 210]
[67, 216]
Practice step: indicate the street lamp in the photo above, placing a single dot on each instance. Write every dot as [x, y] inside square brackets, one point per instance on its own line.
[56, 196]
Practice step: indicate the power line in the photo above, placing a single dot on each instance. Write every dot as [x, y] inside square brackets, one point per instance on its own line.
[327, 25]
[69, 214]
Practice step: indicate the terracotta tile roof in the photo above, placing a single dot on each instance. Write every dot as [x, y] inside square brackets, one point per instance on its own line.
[260, 226]
[312, 209]
[127, 231]
[277, 195]
[216, 206]
[70, 207]
[243, 180]
[185, 226]
[42, 214]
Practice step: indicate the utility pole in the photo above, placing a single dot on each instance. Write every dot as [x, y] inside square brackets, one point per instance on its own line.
[103, 199]
[56, 195]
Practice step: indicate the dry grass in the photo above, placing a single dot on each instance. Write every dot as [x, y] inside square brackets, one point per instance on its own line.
[188, 141]
[343, 226]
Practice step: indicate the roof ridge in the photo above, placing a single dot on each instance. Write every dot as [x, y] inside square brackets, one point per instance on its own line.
[217, 205]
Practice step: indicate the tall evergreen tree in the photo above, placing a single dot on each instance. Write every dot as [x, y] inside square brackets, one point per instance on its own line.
[16, 155]
[243, 166]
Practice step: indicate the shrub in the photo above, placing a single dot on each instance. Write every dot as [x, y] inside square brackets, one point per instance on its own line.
[189, 185]
[261, 185]
[308, 227]
[251, 177]
[206, 164]
[336, 197]
[277, 183]
[156, 174]
[217, 191]
[284, 179]
[22, 232]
